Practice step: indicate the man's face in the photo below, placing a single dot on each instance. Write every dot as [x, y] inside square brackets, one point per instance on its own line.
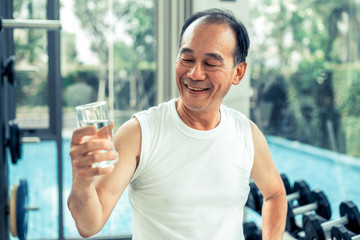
[205, 65]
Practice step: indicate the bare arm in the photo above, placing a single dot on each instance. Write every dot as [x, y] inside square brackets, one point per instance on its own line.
[95, 191]
[269, 182]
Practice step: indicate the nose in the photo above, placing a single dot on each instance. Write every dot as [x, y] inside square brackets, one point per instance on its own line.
[197, 72]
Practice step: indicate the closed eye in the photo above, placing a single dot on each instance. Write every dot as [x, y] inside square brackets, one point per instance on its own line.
[186, 60]
[210, 65]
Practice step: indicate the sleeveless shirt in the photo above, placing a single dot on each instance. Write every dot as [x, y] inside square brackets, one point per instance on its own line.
[191, 184]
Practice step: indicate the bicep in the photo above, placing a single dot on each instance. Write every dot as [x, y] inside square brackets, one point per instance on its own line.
[264, 171]
[127, 141]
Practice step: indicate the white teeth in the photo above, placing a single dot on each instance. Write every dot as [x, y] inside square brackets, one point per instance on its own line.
[196, 89]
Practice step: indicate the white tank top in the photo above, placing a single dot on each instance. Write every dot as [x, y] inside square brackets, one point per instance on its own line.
[191, 184]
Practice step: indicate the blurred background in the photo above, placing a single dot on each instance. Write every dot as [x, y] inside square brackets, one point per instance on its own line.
[302, 88]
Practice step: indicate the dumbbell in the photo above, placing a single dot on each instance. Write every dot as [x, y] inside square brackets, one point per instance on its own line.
[255, 198]
[319, 204]
[300, 191]
[286, 182]
[251, 231]
[341, 233]
[316, 228]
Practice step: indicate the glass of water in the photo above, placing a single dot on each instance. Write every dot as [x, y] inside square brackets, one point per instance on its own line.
[96, 114]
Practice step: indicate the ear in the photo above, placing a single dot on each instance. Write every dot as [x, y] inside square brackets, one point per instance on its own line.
[240, 69]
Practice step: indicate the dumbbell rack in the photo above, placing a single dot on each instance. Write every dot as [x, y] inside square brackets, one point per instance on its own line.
[13, 217]
[314, 209]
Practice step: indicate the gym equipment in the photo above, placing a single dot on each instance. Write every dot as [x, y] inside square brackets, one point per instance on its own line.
[286, 182]
[341, 233]
[255, 198]
[30, 24]
[18, 216]
[16, 140]
[317, 228]
[251, 231]
[301, 193]
[19, 210]
[8, 70]
[319, 204]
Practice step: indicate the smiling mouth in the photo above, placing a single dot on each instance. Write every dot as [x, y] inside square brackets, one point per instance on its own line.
[196, 89]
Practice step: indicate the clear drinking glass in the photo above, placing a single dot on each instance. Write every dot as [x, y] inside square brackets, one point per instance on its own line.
[96, 114]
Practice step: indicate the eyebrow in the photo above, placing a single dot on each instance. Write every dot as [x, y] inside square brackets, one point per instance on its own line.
[211, 55]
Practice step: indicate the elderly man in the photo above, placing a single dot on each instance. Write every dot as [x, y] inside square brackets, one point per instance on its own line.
[188, 161]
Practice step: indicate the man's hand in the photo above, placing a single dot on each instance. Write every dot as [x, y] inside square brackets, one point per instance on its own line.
[87, 147]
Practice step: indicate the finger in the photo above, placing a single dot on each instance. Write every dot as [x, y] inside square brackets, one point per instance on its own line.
[93, 172]
[101, 156]
[93, 157]
[80, 133]
[105, 131]
[95, 145]
[86, 163]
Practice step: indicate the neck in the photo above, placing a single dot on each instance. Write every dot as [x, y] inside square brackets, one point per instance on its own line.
[200, 120]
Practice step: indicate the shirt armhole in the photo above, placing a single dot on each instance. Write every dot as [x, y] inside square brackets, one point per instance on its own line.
[145, 144]
[250, 142]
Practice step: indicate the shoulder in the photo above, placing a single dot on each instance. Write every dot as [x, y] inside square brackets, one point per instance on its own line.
[141, 125]
[130, 127]
[233, 113]
[258, 136]
[156, 110]
[153, 118]
[236, 118]
[128, 137]
[258, 139]
[261, 147]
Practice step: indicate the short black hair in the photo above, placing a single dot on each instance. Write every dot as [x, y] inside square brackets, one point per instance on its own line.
[219, 16]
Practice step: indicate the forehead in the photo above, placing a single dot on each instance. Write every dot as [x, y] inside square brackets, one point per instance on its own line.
[209, 37]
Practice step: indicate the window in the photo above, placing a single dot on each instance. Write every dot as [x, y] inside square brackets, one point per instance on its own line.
[31, 58]
[306, 73]
[107, 53]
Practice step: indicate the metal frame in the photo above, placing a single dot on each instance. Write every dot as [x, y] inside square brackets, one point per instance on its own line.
[8, 106]
[55, 102]
[29, 23]
[5, 92]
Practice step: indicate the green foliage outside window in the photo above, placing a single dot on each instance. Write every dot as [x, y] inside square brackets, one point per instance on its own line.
[306, 71]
